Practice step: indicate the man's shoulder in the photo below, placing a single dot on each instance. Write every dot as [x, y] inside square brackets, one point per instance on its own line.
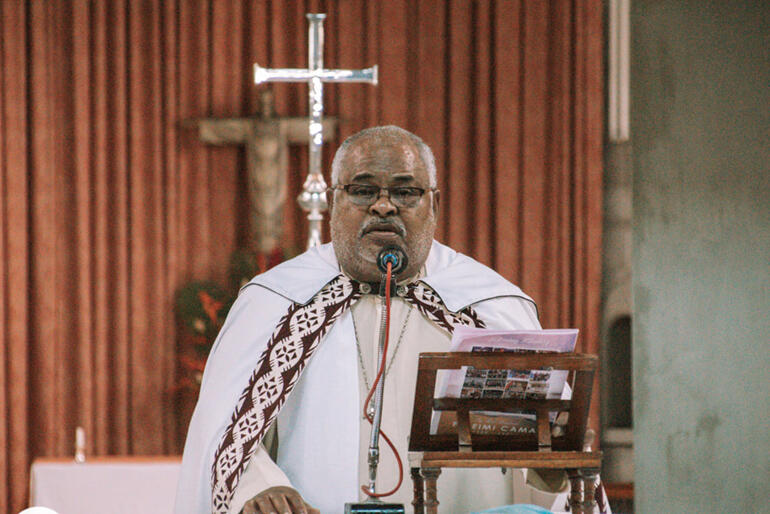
[301, 277]
[461, 280]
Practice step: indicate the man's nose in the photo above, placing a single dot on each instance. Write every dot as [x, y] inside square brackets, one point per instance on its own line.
[383, 206]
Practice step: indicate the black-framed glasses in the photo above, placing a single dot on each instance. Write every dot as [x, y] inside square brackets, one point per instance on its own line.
[366, 194]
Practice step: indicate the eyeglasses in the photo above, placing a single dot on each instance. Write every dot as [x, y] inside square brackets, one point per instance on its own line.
[366, 194]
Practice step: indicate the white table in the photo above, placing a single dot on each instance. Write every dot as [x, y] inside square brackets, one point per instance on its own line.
[105, 484]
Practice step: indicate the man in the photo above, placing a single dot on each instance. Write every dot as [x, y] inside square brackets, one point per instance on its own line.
[299, 348]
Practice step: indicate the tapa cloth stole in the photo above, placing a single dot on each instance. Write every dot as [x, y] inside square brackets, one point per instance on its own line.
[293, 342]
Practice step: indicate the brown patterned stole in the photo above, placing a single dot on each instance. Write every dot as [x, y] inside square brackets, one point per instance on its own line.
[293, 342]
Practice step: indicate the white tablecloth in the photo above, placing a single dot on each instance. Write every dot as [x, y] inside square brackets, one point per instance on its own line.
[116, 485]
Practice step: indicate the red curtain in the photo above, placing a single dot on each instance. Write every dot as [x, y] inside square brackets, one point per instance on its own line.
[107, 205]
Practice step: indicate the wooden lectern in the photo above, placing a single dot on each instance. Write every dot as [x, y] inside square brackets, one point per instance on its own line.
[430, 453]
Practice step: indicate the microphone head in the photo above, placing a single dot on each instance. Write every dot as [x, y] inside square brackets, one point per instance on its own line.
[393, 255]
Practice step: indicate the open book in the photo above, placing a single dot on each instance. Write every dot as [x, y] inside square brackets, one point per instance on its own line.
[469, 382]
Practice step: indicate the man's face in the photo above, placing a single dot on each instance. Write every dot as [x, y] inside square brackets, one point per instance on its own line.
[360, 232]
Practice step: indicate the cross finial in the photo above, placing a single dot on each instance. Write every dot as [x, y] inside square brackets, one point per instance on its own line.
[313, 197]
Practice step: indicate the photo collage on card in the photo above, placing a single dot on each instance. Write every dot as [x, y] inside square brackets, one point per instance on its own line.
[505, 383]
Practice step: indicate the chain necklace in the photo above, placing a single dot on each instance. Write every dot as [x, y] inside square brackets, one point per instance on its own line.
[392, 357]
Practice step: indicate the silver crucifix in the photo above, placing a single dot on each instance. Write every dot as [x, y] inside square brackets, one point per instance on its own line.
[313, 197]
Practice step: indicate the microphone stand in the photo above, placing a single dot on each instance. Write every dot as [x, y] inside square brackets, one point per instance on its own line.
[373, 504]
[374, 440]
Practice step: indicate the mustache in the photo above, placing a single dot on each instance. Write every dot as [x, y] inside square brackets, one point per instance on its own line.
[394, 224]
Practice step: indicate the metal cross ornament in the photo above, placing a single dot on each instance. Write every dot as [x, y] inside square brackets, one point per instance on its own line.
[313, 196]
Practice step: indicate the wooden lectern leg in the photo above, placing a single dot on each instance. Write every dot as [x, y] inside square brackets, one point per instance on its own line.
[576, 491]
[590, 477]
[430, 475]
[419, 498]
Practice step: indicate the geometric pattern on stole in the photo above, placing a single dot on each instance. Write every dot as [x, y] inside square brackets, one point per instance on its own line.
[293, 342]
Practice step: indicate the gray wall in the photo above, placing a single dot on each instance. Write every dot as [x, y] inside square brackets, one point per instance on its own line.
[701, 260]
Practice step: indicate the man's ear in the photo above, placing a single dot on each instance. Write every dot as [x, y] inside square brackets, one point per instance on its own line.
[436, 201]
[330, 199]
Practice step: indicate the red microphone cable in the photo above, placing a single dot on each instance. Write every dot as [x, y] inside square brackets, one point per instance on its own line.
[374, 386]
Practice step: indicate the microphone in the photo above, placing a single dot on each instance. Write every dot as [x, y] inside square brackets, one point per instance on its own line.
[393, 255]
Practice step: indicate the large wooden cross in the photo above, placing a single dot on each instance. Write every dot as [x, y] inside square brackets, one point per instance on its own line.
[313, 197]
[267, 139]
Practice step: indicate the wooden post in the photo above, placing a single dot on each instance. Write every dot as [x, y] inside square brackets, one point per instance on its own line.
[576, 491]
[590, 478]
[419, 498]
[543, 430]
[430, 475]
[464, 442]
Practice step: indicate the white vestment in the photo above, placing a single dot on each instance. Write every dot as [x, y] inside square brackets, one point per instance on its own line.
[322, 437]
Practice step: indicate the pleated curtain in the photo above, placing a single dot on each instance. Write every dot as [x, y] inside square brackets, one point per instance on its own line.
[108, 204]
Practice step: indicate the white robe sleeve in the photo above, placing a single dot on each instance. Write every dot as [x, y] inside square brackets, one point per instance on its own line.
[243, 338]
[508, 313]
[261, 473]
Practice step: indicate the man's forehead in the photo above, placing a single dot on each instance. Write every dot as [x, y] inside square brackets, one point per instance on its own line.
[399, 160]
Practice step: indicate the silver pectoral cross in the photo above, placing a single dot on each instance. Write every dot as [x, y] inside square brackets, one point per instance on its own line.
[313, 197]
